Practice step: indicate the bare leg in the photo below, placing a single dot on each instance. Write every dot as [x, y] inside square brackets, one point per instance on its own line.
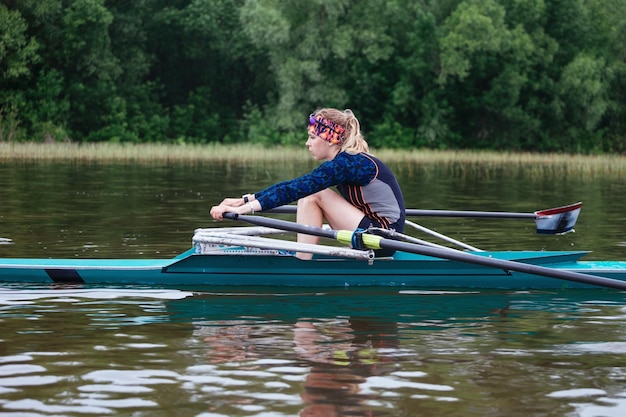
[329, 205]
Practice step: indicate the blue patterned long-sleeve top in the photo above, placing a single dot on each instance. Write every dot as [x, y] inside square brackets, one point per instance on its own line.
[363, 180]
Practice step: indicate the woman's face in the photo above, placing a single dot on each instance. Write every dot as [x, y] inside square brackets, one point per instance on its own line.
[320, 149]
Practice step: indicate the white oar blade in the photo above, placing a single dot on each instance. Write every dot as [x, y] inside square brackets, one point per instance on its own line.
[559, 220]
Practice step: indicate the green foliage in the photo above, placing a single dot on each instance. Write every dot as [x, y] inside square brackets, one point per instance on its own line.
[48, 108]
[530, 75]
[17, 50]
[18, 53]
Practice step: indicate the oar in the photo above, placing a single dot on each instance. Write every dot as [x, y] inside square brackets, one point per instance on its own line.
[556, 220]
[378, 242]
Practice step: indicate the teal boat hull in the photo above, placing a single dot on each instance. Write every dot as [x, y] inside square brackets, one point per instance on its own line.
[403, 270]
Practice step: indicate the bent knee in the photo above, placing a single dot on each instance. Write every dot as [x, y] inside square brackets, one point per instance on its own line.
[313, 199]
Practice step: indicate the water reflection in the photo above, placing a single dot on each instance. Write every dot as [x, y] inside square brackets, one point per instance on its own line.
[153, 352]
[334, 360]
[343, 355]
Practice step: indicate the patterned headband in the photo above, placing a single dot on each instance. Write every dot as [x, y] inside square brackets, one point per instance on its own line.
[325, 129]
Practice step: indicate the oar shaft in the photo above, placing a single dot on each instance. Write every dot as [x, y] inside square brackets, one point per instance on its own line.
[438, 213]
[470, 214]
[502, 264]
[376, 242]
[558, 220]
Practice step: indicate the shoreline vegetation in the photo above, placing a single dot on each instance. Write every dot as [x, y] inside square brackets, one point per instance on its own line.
[247, 153]
[527, 76]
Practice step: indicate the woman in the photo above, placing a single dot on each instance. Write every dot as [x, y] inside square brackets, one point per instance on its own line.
[369, 192]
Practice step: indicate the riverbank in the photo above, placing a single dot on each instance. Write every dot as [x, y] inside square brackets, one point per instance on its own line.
[109, 152]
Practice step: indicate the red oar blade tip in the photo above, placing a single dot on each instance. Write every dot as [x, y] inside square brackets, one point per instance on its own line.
[559, 220]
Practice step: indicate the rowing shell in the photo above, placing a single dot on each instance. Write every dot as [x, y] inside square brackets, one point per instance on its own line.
[244, 256]
[226, 266]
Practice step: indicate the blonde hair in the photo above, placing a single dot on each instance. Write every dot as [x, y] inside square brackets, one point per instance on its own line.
[353, 140]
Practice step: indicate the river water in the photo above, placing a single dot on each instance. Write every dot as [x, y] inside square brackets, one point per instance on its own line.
[137, 351]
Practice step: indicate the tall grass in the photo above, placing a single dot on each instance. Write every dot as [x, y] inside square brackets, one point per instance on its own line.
[490, 164]
[461, 160]
[142, 152]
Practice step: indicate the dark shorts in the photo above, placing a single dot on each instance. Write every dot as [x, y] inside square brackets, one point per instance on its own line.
[366, 223]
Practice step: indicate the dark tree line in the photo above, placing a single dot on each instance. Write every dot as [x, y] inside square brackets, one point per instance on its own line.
[532, 75]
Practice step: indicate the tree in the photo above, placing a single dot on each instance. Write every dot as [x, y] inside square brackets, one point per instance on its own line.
[494, 74]
[18, 52]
